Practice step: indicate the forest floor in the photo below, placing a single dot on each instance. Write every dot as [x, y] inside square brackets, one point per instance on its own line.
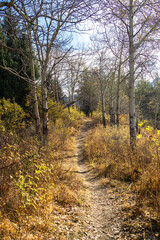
[82, 203]
[108, 213]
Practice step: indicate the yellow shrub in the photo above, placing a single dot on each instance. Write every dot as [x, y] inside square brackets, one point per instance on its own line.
[97, 116]
[57, 112]
[109, 151]
[12, 116]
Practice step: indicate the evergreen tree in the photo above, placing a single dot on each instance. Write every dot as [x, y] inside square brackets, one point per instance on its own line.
[13, 87]
[54, 89]
[148, 100]
[87, 93]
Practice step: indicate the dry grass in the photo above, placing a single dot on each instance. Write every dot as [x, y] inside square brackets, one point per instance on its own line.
[108, 151]
[38, 197]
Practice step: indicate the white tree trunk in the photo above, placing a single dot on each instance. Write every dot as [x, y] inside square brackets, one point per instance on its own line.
[44, 106]
[118, 86]
[34, 90]
[36, 112]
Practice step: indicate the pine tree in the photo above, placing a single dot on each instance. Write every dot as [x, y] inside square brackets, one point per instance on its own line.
[13, 87]
[87, 93]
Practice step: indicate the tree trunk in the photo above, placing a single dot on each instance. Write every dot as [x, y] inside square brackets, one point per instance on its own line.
[34, 91]
[112, 115]
[131, 81]
[118, 88]
[72, 96]
[155, 119]
[44, 107]
[36, 113]
[118, 103]
[102, 90]
[103, 112]
[56, 94]
[111, 111]
[137, 127]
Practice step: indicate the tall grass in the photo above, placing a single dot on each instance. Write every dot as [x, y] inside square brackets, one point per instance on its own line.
[109, 152]
[36, 188]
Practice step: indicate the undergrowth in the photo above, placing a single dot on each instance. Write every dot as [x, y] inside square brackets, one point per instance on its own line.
[37, 189]
[109, 152]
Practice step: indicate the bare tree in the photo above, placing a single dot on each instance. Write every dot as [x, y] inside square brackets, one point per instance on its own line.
[56, 18]
[138, 20]
[114, 39]
[34, 91]
[73, 71]
[104, 73]
[46, 22]
[6, 4]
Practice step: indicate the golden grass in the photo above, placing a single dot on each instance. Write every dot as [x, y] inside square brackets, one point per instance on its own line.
[39, 198]
[109, 152]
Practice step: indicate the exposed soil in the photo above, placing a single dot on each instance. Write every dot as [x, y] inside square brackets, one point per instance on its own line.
[111, 204]
[104, 212]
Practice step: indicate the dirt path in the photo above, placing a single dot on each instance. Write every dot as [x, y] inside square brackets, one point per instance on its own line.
[104, 210]
[111, 212]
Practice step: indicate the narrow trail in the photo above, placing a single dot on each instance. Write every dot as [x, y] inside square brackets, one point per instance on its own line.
[104, 201]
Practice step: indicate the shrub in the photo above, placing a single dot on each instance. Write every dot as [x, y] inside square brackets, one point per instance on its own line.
[58, 113]
[12, 116]
[97, 116]
[36, 186]
[109, 152]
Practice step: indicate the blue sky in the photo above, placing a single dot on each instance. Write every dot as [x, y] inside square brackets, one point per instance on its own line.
[82, 37]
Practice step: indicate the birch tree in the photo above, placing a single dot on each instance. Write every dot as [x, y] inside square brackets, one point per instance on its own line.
[104, 73]
[56, 17]
[34, 90]
[73, 71]
[138, 20]
[115, 40]
[48, 21]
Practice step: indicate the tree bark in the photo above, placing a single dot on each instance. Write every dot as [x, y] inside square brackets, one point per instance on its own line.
[112, 114]
[44, 107]
[131, 81]
[118, 87]
[72, 96]
[34, 91]
[103, 111]
[118, 102]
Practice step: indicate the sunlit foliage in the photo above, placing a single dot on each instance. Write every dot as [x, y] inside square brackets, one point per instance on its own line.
[36, 188]
[109, 152]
